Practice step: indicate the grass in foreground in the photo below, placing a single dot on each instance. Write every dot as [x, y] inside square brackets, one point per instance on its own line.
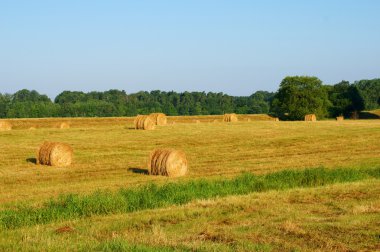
[152, 196]
[339, 217]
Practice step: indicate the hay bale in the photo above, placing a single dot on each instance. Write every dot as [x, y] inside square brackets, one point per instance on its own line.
[64, 125]
[230, 118]
[276, 119]
[197, 121]
[5, 125]
[158, 118]
[55, 154]
[310, 118]
[340, 118]
[32, 128]
[144, 122]
[167, 162]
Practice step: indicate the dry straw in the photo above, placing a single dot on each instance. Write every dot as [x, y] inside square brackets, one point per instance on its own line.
[64, 125]
[167, 162]
[5, 125]
[144, 122]
[340, 118]
[310, 118]
[230, 118]
[158, 118]
[55, 154]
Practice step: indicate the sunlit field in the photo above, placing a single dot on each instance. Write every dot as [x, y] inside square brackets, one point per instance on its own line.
[333, 211]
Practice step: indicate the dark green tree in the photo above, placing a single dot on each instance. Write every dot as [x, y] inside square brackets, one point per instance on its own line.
[345, 99]
[300, 95]
[370, 91]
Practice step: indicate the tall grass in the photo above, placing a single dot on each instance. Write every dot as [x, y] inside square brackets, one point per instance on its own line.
[153, 196]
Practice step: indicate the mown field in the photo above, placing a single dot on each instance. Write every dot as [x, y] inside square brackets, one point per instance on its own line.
[256, 184]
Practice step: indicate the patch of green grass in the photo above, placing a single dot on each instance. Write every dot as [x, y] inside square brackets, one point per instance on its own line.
[122, 245]
[153, 196]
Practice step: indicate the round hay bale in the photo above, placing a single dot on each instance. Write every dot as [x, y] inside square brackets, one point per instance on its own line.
[144, 122]
[197, 121]
[276, 119]
[158, 118]
[5, 125]
[55, 154]
[310, 118]
[64, 125]
[230, 118]
[167, 162]
[340, 118]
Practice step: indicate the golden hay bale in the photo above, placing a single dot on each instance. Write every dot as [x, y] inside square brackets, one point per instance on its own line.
[5, 125]
[230, 118]
[158, 118]
[197, 121]
[54, 154]
[64, 125]
[276, 119]
[310, 118]
[167, 162]
[32, 128]
[340, 118]
[144, 122]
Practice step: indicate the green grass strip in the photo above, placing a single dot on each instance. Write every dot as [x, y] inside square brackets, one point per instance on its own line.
[152, 196]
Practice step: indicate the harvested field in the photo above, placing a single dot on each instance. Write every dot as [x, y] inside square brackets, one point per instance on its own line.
[109, 155]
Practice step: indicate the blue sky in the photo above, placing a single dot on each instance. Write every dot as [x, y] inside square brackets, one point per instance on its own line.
[236, 47]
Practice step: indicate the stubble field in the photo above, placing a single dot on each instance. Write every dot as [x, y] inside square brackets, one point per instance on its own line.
[338, 213]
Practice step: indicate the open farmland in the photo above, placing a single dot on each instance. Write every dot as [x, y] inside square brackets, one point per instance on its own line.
[109, 154]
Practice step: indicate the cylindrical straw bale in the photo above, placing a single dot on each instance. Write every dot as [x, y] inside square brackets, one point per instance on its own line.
[5, 125]
[55, 154]
[167, 162]
[230, 118]
[144, 122]
[64, 125]
[310, 118]
[158, 118]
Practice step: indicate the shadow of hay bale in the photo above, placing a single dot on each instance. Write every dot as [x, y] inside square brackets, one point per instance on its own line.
[31, 160]
[138, 170]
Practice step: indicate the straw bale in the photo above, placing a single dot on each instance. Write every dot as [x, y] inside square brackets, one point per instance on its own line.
[5, 125]
[310, 118]
[340, 118]
[158, 118]
[230, 118]
[64, 125]
[54, 154]
[167, 162]
[144, 122]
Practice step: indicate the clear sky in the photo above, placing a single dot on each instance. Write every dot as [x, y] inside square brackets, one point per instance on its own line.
[231, 46]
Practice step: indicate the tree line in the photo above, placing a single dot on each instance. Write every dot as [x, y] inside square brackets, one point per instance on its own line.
[296, 96]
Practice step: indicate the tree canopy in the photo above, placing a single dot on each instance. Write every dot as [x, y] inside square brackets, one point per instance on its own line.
[296, 96]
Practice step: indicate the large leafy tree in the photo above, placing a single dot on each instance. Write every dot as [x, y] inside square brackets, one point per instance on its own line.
[370, 91]
[345, 99]
[300, 95]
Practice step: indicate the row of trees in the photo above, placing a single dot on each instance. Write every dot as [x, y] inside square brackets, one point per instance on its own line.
[296, 97]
